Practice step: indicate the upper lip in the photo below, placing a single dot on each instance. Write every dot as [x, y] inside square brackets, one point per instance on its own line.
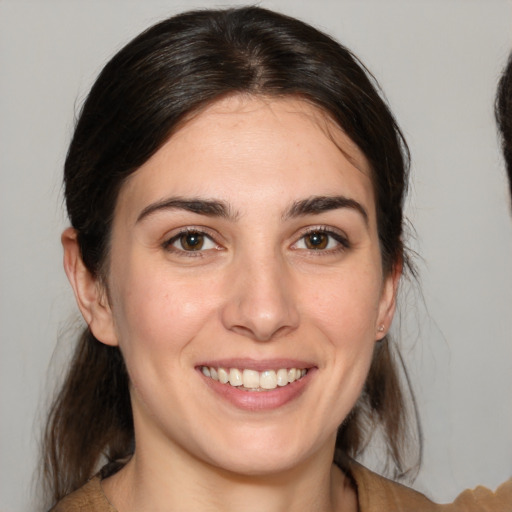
[257, 364]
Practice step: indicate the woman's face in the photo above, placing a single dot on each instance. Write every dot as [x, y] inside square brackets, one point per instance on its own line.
[246, 250]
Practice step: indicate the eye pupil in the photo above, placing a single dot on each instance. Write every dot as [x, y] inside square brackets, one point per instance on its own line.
[316, 240]
[192, 241]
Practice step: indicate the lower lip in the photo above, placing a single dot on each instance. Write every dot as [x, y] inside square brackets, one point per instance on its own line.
[260, 400]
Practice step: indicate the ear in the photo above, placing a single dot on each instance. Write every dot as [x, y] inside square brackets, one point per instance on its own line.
[387, 304]
[90, 293]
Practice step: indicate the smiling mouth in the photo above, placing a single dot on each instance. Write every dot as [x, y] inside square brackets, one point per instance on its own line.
[252, 380]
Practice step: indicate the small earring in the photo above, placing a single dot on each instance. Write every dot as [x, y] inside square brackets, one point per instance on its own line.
[381, 328]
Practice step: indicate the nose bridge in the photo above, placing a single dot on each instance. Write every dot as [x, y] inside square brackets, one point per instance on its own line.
[262, 302]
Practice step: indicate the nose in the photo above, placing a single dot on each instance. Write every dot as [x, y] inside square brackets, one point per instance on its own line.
[261, 303]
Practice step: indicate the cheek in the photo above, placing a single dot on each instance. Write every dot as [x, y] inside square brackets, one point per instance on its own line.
[346, 306]
[153, 310]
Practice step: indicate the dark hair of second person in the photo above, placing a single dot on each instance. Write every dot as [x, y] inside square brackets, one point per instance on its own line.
[503, 111]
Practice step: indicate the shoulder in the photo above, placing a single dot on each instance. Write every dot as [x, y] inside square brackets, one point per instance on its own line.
[482, 499]
[376, 493]
[89, 498]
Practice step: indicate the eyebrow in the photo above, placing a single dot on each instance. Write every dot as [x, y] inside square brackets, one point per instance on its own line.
[211, 208]
[214, 208]
[318, 204]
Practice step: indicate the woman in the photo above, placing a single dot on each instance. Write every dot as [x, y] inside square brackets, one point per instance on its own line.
[235, 188]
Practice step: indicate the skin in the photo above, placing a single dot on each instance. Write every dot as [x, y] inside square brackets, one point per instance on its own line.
[255, 293]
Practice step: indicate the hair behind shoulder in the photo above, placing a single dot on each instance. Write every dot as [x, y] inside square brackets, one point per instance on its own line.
[91, 418]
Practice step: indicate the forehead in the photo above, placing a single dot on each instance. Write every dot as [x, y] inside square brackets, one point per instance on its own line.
[246, 148]
[248, 113]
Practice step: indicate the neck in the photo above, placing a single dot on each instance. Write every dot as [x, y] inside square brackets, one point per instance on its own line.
[171, 484]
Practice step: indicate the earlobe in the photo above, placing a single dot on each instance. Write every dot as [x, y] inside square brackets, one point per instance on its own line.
[90, 293]
[387, 304]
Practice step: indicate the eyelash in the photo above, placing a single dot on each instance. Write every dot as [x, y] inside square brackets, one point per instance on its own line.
[340, 239]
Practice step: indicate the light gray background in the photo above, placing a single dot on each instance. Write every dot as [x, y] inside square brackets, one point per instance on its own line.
[438, 62]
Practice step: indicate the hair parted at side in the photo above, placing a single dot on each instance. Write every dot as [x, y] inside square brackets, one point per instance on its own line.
[503, 112]
[143, 95]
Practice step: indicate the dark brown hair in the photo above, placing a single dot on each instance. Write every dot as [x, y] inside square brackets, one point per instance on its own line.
[157, 81]
[503, 112]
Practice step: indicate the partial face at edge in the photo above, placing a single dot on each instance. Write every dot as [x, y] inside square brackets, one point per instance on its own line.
[247, 242]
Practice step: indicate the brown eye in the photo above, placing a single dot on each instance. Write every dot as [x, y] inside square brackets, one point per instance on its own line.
[191, 241]
[316, 240]
[322, 241]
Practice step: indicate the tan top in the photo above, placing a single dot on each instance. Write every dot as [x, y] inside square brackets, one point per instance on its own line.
[378, 494]
[375, 494]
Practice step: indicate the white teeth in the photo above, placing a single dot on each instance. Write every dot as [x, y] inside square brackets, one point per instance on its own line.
[223, 376]
[282, 377]
[235, 377]
[252, 379]
[268, 380]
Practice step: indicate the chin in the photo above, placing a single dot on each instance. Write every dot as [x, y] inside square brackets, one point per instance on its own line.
[266, 464]
[270, 455]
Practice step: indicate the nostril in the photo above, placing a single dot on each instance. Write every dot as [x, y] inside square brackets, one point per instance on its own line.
[260, 334]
